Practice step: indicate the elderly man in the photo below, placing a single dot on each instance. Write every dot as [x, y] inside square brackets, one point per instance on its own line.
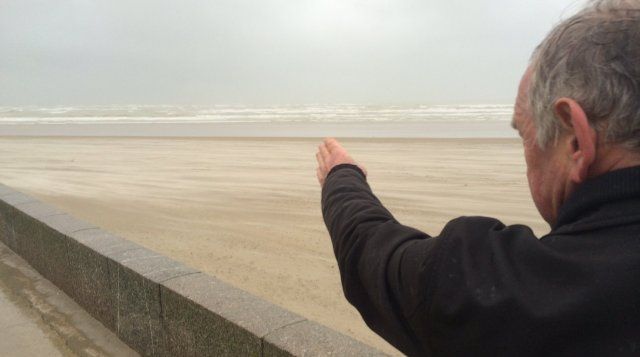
[483, 288]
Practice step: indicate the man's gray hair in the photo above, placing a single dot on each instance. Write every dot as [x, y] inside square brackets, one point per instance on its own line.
[594, 58]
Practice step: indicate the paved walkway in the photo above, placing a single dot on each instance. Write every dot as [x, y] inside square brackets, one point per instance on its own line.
[37, 319]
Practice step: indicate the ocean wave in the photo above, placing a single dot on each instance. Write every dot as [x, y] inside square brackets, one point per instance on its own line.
[260, 114]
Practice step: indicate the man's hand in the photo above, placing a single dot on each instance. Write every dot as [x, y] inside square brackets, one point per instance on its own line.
[330, 154]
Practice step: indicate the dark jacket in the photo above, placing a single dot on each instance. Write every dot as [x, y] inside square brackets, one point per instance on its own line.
[483, 288]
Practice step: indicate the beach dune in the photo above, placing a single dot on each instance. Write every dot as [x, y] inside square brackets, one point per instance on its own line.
[248, 210]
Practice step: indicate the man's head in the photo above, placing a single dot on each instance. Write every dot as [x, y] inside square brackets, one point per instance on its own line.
[578, 106]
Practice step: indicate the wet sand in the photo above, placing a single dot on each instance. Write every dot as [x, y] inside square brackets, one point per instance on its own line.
[247, 210]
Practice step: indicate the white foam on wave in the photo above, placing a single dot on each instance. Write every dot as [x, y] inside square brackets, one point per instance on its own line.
[258, 114]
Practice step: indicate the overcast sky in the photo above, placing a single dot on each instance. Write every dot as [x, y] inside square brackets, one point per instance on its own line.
[268, 51]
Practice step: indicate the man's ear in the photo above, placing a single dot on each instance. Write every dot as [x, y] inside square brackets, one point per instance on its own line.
[582, 138]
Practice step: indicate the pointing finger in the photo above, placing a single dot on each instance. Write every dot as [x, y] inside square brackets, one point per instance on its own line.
[320, 160]
[331, 143]
[324, 152]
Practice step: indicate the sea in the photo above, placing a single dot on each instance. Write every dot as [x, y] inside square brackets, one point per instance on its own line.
[354, 120]
[251, 114]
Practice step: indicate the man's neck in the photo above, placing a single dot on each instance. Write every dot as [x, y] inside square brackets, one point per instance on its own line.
[610, 158]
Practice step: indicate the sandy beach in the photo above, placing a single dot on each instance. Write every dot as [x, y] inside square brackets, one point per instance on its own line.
[247, 210]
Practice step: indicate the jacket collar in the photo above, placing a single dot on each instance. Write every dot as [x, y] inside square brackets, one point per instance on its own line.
[596, 199]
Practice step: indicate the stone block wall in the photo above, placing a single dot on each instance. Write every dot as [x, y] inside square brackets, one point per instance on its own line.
[156, 305]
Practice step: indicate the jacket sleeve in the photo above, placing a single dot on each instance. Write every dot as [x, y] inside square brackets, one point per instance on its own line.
[458, 294]
[385, 267]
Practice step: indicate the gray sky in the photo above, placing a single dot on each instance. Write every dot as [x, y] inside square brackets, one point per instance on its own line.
[268, 51]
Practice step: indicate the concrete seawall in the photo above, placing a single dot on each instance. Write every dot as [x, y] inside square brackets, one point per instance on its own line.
[154, 304]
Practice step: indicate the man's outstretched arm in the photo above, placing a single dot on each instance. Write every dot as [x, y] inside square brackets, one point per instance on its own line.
[384, 266]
